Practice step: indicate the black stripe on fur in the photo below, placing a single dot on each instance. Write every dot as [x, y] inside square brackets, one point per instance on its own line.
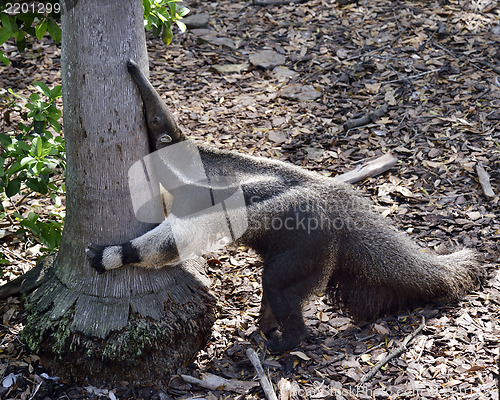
[130, 254]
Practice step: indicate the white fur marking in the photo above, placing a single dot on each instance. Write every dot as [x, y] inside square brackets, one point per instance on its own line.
[112, 257]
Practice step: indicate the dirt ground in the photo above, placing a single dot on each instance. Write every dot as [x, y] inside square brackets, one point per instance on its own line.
[436, 67]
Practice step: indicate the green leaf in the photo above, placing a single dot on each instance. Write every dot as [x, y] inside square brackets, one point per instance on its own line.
[56, 92]
[42, 87]
[30, 225]
[39, 168]
[7, 22]
[4, 59]
[146, 6]
[5, 34]
[27, 18]
[34, 97]
[21, 41]
[157, 30]
[52, 238]
[54, 31]
[51, 164]
[39, 127]
[36, 147]
[13, 187]
[54, 124]
[163, 16]
[26, 160]
[13, 23]
[41, 29]
[21, 146]
[182, 26]
[167, 34]
[38, 185]
[33, 216]
[183, 12]
[15, 167]
[40, 116]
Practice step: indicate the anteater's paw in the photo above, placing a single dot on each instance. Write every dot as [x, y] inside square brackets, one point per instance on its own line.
[94, 254]
[278, 344]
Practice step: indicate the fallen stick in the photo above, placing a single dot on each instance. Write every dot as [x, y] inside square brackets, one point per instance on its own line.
[393, 354]
[484, 180]
[29, 281]
[371, 168]
[276, 2]
[11, 288]
[264, 380]
[408, 78]
[367, 118]
[214, 382]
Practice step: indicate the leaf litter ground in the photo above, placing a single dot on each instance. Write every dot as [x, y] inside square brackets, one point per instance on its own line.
[437, 68]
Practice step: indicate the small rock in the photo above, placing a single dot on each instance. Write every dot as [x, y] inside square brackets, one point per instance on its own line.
[474, 215]
[267, 59]
[230, 68]
[277, 137]
[314, 153]
[300, 92]
[202, 32]
[219, 41]
[282, 73]
[196, 21]
[278, 121]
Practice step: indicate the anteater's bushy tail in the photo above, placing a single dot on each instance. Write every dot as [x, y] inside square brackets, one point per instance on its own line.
[380, 270]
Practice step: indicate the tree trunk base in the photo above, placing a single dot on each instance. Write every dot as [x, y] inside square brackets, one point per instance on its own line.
[144, 349]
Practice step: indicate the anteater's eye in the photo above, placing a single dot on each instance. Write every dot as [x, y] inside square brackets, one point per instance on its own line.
[156, 120]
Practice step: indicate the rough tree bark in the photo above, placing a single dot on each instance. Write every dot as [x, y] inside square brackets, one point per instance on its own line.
[130, 323]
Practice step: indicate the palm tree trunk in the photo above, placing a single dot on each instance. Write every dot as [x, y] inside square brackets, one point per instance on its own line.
[130, 323]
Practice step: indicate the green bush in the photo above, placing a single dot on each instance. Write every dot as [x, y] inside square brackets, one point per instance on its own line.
[20, 24]
[32, 154]
[159, 16]
[33, 160]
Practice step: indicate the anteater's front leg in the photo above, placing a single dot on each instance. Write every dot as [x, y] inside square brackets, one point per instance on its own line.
[288, 279]
[267, 321]
[154, 249]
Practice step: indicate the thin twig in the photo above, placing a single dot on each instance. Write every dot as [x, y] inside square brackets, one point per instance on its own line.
[393, 354]
[215, 382]
[264, 380]
[366, 119]
[408, 78]
[276, 2]
[332, 360]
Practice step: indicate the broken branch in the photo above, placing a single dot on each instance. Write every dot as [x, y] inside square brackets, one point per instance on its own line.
[371, 168]
[366, 119]
[214, 382]
[393, 354]
[276, 2]
[264, 380]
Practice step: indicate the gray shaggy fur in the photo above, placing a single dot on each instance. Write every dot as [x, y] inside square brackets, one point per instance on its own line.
[314, 233]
